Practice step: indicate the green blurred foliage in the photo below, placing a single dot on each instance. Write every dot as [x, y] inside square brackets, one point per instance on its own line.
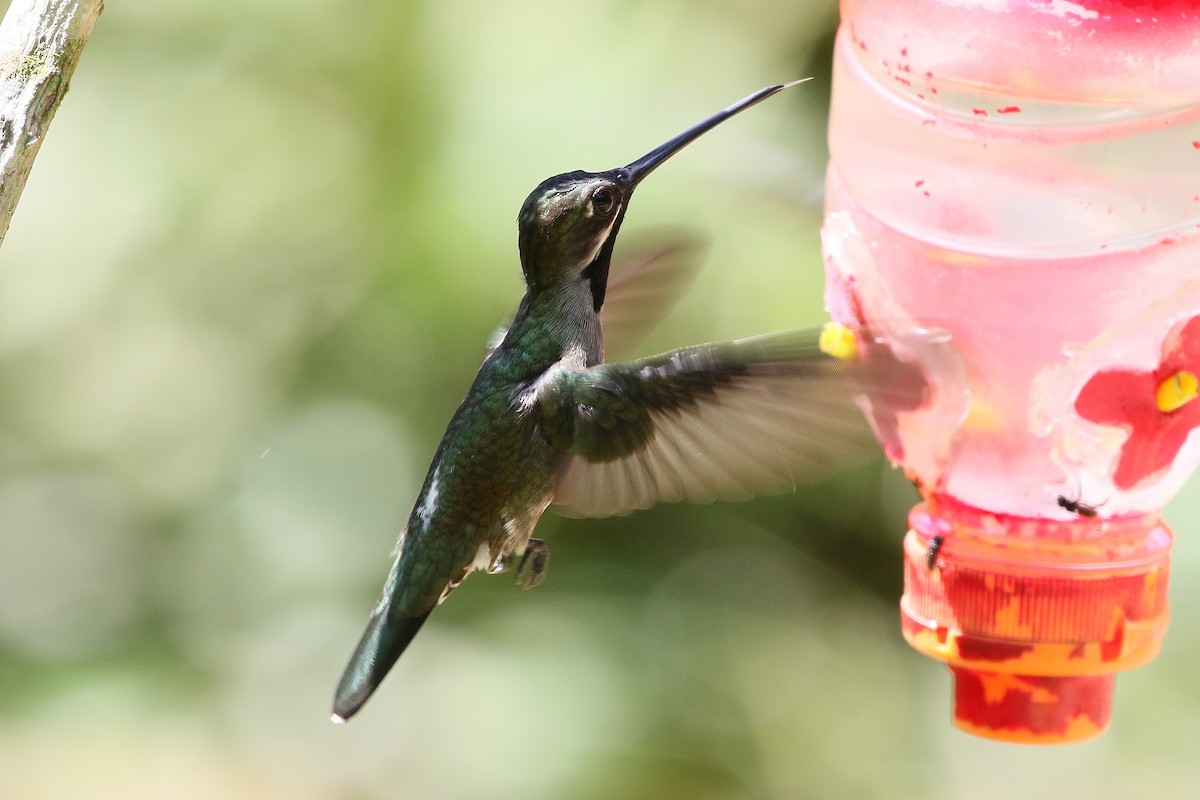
[252, 275]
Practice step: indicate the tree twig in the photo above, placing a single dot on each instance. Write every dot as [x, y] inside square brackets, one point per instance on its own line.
[40, 43]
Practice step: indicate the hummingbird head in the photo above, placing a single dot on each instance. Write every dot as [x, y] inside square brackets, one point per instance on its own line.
[568, 226]
[569, 223]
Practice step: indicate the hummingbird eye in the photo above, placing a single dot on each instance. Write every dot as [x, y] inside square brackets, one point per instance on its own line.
[603, 201]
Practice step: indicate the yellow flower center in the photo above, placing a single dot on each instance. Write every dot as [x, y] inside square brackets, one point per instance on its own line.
[1176, 391]
[839, 341]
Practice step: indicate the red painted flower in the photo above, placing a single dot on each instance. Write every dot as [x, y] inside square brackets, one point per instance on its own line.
[1149, 405]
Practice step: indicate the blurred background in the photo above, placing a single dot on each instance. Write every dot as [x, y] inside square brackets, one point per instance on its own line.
[252, 275]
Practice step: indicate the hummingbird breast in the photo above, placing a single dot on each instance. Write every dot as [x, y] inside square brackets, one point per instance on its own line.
[492, 475]
[486, 489]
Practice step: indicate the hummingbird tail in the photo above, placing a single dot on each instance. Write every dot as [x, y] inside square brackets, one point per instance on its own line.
[382, 643]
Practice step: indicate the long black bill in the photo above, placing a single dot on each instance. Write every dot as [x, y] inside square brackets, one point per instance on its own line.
[632, 174]
[637, 170]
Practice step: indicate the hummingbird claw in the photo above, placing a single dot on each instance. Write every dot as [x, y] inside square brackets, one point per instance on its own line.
[531, 569]
[499, 564]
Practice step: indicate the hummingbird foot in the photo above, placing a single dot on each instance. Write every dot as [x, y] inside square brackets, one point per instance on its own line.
[531, 569]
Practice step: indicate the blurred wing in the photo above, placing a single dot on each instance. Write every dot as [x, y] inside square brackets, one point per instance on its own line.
[645, 289]
[713, 422]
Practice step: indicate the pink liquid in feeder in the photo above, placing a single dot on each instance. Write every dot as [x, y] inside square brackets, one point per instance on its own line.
[1026, 177]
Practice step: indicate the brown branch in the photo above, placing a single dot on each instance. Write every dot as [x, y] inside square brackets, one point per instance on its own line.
[40, 43]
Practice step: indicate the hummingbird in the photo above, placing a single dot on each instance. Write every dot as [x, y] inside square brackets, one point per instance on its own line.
[547, 420]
